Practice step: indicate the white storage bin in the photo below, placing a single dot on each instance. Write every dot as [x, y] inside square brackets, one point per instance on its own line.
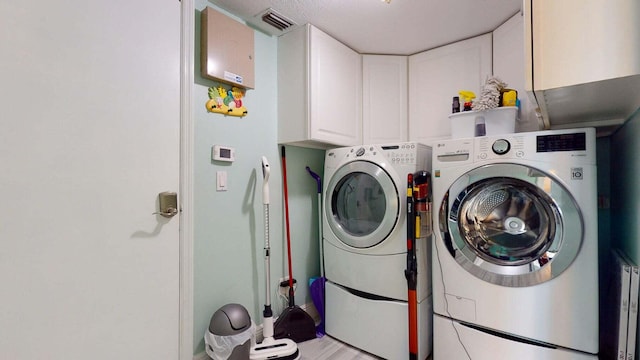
[496, 121]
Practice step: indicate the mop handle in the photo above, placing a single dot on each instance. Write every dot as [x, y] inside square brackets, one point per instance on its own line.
[316, 177]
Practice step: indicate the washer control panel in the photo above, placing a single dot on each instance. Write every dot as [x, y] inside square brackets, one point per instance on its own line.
[501, 146]
[547, 145]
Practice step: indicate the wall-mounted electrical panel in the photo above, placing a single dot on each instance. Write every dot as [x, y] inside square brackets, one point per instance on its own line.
[227, 49]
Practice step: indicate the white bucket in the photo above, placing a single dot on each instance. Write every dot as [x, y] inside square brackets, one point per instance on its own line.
[501, 120]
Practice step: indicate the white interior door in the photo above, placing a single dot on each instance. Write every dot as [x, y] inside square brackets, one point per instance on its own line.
[90, 113]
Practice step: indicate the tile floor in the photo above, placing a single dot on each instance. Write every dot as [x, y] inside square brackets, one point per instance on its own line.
[328, 348]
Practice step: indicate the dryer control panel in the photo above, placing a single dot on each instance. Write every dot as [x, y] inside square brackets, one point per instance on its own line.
[405, 154]
[409, 153]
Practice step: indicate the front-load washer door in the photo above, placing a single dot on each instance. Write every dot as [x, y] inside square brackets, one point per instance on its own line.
[362, 204]
[511, 225]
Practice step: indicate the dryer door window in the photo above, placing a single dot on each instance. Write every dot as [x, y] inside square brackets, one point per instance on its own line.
[362, 204]
[511, 225]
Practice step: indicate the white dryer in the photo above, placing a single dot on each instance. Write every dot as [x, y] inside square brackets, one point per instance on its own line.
[365, 248]
[515, 260]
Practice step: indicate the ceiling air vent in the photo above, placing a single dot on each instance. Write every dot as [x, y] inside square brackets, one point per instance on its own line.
[276, 20]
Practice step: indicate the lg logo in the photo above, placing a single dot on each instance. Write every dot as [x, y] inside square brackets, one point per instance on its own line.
[576, 173]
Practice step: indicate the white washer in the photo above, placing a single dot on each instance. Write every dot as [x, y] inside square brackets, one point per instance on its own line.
[515, 260]
[365, 248]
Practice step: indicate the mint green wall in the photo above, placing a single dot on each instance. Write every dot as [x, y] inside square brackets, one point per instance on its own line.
[625, 175]
[229, 227]
[603, 145]
[625, 185]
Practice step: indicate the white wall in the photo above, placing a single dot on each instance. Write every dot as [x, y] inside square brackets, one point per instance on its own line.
[508, 65]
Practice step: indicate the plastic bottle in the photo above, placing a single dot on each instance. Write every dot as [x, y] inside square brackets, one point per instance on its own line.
[468, 98]
[480, 129]
[455, 107]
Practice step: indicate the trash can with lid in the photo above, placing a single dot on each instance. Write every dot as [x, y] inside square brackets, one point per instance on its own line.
[230, 333]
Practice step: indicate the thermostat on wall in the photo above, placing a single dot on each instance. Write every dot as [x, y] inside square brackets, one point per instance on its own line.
[223, 153]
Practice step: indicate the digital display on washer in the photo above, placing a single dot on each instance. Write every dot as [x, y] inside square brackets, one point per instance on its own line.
[561, 142]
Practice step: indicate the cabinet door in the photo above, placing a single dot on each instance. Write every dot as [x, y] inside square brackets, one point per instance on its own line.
[576, 42]
[583, 61]
[335, 91]
[436, 76]
[384, 99]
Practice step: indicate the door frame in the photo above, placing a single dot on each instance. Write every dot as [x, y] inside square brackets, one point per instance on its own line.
[187, 36]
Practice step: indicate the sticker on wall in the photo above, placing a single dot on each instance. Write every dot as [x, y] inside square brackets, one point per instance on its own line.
[226, 101]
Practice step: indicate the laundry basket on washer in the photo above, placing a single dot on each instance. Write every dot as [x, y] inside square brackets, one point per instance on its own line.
[501, 120]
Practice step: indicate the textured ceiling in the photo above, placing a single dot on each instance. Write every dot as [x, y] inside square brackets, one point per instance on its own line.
[400, 27]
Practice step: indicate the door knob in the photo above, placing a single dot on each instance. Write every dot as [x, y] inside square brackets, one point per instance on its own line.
[168, 204]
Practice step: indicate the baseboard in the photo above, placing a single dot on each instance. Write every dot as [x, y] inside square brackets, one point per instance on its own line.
[310, 309]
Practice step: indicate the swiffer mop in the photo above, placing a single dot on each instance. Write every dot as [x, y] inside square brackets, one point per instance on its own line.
[270, 348]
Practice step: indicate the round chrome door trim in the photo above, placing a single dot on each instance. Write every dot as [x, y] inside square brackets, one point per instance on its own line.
[511, 225]
[388, 215]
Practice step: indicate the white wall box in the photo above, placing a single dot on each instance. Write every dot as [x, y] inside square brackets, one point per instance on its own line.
[436, 76]
[226, 49]
[384, 99]
[319, 90]
[583, 61]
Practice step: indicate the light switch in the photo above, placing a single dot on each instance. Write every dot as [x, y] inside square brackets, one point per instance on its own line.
[221, 181]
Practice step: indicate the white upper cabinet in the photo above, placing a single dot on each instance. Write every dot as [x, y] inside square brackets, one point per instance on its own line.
[583, 60]
[319, 90]
[436, 76]
[384, 99]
